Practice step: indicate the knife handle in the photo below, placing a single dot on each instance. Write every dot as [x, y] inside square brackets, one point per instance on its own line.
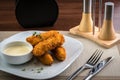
[88, 77]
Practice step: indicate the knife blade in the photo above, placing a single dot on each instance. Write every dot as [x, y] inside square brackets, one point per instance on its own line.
[98, 67]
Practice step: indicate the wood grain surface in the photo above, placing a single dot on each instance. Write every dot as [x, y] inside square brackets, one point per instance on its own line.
[70, 14]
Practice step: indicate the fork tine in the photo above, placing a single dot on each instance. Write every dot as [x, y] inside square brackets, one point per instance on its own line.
[97, 58]
[93, 55]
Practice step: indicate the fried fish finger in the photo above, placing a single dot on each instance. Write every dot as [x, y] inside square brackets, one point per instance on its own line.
[35, 39]
[46, 59]
[47, 45]
[60, 53]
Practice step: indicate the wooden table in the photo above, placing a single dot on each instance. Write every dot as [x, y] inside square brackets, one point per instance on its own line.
[111, 72]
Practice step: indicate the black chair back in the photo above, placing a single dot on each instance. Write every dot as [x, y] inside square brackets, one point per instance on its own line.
[36, 13]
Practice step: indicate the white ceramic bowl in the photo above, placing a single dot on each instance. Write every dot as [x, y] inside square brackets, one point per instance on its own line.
[17, 52]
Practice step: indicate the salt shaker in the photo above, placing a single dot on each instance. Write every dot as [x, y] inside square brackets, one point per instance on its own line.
[86, 23]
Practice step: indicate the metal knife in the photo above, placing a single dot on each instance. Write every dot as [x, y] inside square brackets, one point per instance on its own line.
[98, 67]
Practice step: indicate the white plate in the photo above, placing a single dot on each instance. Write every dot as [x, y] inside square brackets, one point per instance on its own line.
[73, 49]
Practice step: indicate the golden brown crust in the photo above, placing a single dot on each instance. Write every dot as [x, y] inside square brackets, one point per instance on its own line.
[35, 39]
[46, 59]
[60, 53]
[48, 34]
[47, 45]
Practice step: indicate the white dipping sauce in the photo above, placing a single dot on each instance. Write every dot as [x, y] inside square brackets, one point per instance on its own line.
[17, 50]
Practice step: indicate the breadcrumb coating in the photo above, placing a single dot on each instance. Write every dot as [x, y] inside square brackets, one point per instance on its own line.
[35, 39]
[60, 53]
[46, 59]
[47, 45]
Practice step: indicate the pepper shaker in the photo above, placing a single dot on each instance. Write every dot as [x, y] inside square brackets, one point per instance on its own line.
[107, 32]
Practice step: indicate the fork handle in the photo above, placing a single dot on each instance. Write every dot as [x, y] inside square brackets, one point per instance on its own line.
[76, 73]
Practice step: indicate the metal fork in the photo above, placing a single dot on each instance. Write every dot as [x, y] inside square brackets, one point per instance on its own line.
[89, 64]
